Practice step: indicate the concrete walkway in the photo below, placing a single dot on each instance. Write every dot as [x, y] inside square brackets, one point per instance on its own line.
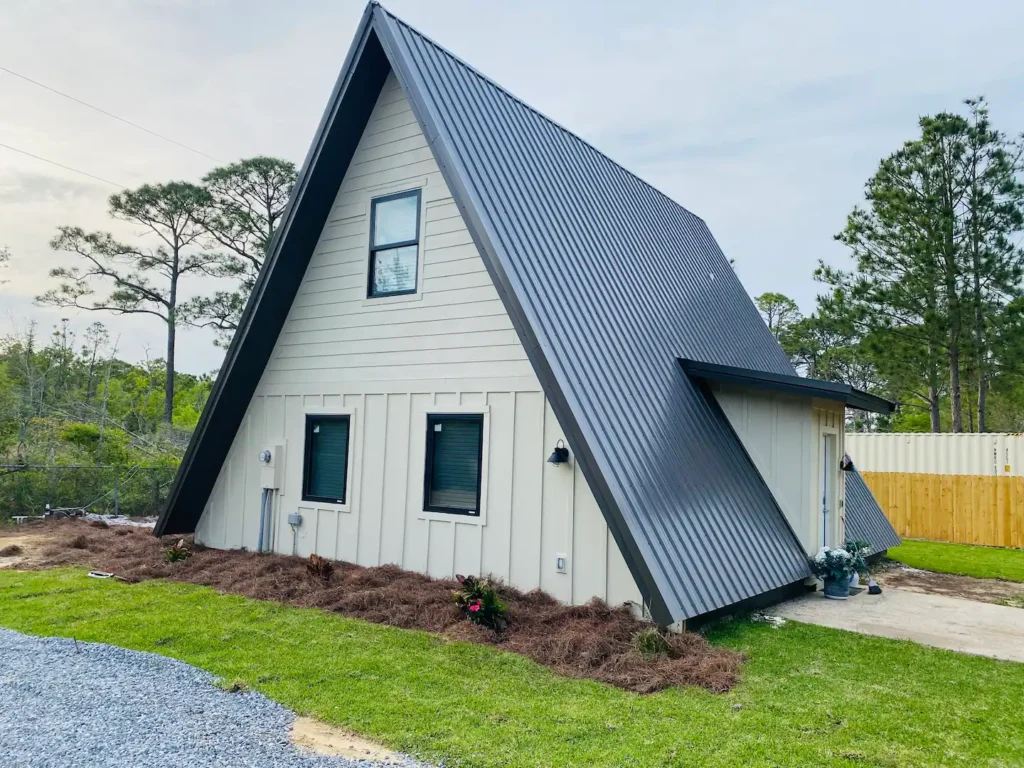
[937, 620]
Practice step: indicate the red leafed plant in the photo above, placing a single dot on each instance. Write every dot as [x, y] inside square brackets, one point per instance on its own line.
[480, 602]
[179, 551]
[319, 567]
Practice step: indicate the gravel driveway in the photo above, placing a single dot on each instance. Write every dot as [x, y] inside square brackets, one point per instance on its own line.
[106, 707]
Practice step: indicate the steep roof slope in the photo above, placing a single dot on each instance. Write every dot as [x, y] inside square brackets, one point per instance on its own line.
[607, 282]
[865, 520]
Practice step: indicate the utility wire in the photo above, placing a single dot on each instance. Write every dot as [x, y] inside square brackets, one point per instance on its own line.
[105, 112]
[61, 165]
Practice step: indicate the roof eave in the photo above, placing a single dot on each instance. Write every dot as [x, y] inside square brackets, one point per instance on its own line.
[793, 385]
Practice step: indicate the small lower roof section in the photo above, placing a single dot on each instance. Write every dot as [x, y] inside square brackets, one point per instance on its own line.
[865, 520]
[794, 385]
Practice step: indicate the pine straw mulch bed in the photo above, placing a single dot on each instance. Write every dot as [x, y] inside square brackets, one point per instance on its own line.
[593, 641]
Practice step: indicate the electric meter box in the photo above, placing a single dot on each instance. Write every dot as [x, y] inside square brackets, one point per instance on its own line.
[272, 467]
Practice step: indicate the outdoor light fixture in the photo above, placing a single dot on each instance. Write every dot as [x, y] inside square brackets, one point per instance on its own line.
[560, 455]
[846, 464]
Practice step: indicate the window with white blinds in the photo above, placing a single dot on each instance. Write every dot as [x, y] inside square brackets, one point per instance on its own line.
[454, 456]
[325, 470]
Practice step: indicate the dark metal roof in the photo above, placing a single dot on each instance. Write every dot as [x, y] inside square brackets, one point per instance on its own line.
[865, 520]
[790, 384]
[607, 282]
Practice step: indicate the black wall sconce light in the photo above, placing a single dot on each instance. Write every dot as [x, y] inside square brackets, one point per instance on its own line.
[846, 464]
[560, 455]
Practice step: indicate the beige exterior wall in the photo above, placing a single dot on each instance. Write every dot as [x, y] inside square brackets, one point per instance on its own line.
[784, 437]
[388, 362]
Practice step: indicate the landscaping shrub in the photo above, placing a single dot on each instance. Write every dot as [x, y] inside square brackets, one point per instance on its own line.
[593, 641]
[480, 604]
[650, 642]
[319, 567]
[178, 552]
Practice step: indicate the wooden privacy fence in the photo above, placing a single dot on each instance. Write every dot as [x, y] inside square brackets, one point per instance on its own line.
[967, 489]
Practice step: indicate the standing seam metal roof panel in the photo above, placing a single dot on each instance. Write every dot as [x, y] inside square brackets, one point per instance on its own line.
[608, 281]
[865, 520]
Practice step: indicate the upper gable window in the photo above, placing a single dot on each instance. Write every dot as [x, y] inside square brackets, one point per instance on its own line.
[394, 244]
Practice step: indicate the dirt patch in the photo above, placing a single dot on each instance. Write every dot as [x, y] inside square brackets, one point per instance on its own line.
[19, 550]
[899, 576]
[324, 739]
[590, 641]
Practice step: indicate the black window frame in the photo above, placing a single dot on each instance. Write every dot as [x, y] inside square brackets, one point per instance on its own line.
[307, 458]
[428, 469]
[374, 249]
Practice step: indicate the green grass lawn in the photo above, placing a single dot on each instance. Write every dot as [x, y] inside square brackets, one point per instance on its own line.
[964, 559]
[810, 696]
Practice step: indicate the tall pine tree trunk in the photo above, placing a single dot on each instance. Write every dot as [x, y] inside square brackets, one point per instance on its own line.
[955, 401]
[172, 300]
[933, 408]
[982, 397]
[169, 375]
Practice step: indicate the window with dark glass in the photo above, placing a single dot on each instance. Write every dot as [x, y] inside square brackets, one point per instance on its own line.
[454, 453]
[394, 244]
[325, 471]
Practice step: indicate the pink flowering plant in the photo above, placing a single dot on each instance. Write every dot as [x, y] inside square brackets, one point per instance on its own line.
[479, 602]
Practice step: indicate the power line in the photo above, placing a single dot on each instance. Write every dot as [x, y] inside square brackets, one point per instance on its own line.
[61, 165]
[105, 112]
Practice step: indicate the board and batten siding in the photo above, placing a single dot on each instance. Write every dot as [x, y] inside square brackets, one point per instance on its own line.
[388, 362]
[783, 436]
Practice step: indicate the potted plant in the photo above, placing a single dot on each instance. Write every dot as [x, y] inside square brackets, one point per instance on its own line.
[835, 567]
[859, 551]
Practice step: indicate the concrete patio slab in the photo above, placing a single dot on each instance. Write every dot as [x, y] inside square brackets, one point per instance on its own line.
[952, 623]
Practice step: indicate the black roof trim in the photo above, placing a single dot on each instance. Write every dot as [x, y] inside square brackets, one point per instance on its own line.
[793, 385]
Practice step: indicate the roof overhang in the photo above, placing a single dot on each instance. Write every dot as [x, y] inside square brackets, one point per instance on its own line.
[799, 386]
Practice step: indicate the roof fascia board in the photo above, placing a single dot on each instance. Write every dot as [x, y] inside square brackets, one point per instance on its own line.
[794, 385]
[171, 518]
[634, 552]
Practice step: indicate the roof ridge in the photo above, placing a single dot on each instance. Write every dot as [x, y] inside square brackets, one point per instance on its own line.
[552, 121]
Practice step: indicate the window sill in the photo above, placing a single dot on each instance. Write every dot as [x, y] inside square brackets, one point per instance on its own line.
[399, 299]
[451, 517]
[326, 505]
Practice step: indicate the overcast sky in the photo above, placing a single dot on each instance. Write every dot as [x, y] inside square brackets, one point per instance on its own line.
[764, 118]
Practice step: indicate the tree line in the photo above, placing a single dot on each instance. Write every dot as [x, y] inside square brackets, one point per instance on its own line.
[931, 312]
[69, 399]
[220, 228]
[79, 426]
